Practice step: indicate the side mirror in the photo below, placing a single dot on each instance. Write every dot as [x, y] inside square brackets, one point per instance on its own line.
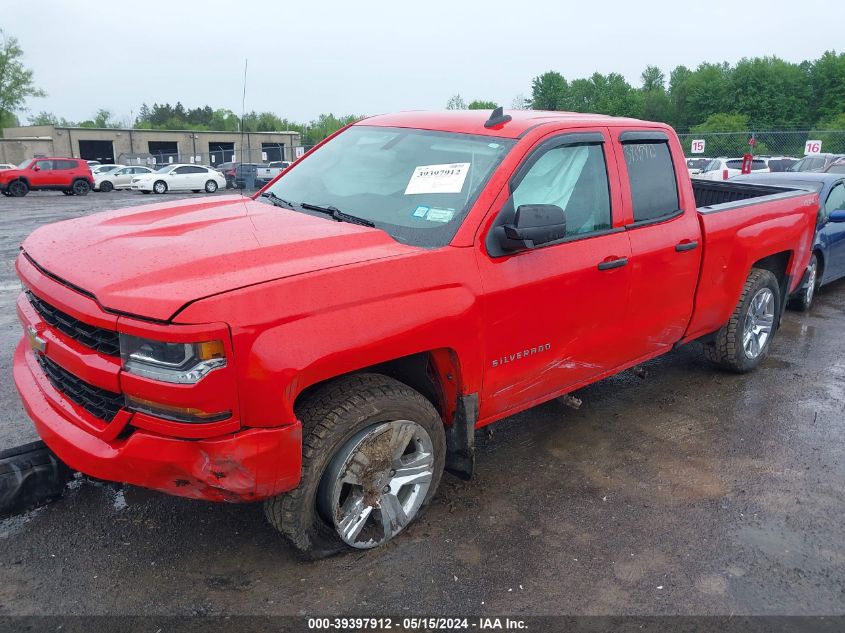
[533, 225]
[36, 168]
[837, 216]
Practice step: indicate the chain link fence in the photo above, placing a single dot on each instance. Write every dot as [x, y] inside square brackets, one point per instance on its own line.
[762, 143]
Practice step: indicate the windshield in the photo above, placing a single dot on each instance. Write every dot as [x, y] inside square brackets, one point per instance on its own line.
[416, 185]
[25, 164]
[163, 170]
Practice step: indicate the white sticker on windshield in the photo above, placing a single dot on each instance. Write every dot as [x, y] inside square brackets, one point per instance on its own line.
[438, 178]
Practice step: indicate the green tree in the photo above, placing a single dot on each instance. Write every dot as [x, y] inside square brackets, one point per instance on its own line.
[726, 134]
[16, 84]
[482, 105]
[678, 95]
[549, 91]
[831, 132]
[456, 102]
[772, 93]
[827, 81]
[655, 101]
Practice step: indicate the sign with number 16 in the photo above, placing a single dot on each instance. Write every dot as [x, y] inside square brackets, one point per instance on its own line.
[812, 147]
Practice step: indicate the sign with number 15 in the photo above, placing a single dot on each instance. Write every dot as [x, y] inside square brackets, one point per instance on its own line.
[697, 146]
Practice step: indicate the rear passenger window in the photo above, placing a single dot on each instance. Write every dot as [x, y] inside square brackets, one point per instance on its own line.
[651, 174]
[64, 164]
[573, 177]
[835, 199]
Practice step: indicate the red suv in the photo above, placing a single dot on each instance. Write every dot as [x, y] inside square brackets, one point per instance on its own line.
[71, 176]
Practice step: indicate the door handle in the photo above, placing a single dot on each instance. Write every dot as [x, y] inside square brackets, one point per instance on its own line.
[610, 264]
[686, 245]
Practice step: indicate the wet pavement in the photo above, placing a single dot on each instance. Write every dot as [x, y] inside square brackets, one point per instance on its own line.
[676, 490]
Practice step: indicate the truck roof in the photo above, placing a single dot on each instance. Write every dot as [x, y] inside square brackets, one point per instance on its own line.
[472, 121]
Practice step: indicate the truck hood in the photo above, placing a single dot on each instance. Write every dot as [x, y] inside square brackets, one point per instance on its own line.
[152, 260]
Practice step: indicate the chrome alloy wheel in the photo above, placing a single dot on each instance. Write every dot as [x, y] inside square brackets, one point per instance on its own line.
[759, 320]
[812, 274]
[377, 482]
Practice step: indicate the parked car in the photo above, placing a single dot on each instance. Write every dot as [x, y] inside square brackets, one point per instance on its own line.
[331, 346]
[71, 176]
[179, 178]
[104, 169]
[4, 166]
[828, 260]
[695, 165]
[120, 178]
[816, 162]
[780, 163]
[93, 163]
[724, 168]
[240, 175]
[837, 167]
[266, 173]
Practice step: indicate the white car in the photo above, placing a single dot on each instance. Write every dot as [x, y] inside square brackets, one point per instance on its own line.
[6, 166]
[194, 178]
[104, 169]
[724, 168]
[120, 178]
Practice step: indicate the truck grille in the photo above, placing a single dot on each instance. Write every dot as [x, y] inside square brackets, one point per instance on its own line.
[100, 403]
[102, 340]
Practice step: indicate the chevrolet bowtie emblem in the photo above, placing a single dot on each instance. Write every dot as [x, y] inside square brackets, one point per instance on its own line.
[35, 342]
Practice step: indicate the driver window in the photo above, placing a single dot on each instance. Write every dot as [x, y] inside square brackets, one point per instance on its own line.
[45, 164]
[835, 199]
[573, 177]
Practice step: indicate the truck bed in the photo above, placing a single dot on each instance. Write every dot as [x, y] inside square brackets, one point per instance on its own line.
[713, 193]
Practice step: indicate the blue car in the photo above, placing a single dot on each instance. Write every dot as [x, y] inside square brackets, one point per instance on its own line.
[828, 261]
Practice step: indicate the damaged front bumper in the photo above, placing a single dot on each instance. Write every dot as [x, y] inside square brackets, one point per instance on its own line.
[248, 465]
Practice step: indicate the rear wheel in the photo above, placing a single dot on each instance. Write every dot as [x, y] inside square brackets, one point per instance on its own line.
[744, 341]
[210, 186]
[18, 188]
[81, 188]
[160, 186]
[106, 186]
[372, 457]
[804, 299]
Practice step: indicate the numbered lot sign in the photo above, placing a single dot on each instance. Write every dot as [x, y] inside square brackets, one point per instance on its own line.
[697, 146]
[812, 147]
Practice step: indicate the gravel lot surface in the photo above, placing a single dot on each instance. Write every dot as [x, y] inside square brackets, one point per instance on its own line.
[677, 489]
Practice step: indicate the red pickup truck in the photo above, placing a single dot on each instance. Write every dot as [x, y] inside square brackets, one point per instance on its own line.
[331, 345]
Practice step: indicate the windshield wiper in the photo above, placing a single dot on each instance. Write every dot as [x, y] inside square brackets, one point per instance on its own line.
[337, 214]
[277, 201]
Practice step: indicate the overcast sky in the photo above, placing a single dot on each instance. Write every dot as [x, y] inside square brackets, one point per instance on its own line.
[309, 57]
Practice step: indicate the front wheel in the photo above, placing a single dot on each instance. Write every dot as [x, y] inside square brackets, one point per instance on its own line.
[106, 186]
[18, 189]
[210, 186]
[373, 451]
[160, 187]
[804, 299]
[744, 341]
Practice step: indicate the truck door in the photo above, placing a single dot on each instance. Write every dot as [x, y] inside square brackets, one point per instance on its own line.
[555, 313]
[662, 223]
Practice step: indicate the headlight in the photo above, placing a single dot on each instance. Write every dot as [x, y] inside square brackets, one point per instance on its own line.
[182, 363]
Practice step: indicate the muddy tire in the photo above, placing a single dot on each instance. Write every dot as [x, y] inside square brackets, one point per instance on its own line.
[339, 418]
[803, 299]
[744, 341]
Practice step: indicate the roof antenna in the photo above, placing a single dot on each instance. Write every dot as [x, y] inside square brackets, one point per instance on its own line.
[497, 117]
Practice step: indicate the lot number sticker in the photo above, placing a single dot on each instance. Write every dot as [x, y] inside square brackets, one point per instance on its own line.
[812, 147]
[697, 146]
[438, 178]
